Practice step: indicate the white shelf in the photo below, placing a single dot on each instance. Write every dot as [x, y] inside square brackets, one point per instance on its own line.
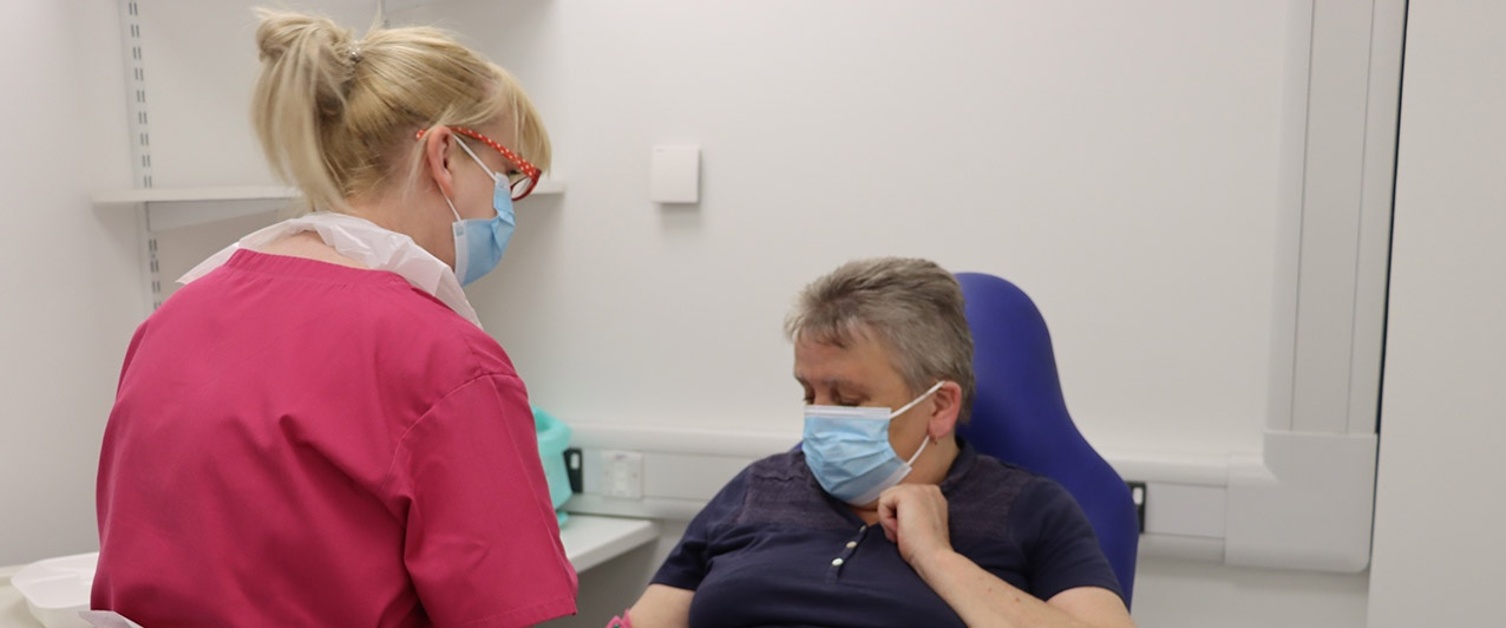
[173, 208]
[194, 195]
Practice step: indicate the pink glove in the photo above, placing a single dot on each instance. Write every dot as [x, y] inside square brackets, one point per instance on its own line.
[621, 621]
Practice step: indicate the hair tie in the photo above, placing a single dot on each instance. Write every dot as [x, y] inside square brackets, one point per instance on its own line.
[354, 52]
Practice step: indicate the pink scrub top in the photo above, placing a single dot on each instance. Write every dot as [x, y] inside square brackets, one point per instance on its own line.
[296, 443]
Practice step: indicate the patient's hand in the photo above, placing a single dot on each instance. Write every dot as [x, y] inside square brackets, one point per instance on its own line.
[914, 516]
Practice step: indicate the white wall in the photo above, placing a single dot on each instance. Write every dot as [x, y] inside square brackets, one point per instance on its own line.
[67, 272]
[201, 64]
[1127, 181]
[1438, 549]
[1118, 161]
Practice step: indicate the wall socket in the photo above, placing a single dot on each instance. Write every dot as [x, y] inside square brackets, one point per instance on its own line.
[622, 474]
[1139, 494]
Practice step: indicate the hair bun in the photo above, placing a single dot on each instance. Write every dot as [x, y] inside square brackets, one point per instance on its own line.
[281, 32]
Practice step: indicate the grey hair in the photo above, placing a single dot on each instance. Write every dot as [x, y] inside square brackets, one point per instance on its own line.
[912, 307]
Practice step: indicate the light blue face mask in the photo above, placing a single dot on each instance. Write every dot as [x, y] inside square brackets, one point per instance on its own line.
[479, 242]
[848, 450]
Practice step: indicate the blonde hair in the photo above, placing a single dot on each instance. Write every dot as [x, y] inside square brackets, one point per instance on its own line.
[339, 116]
[912, 307]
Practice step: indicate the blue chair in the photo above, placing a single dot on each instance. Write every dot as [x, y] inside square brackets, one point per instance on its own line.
[1020, 417]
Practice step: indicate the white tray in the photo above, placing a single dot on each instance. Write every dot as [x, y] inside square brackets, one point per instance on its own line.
[56, 589]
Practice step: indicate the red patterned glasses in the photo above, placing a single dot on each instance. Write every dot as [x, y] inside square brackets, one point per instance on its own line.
[523, 176]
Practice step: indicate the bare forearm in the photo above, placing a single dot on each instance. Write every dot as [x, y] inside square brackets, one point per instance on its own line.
[662, 607]
[982, 599]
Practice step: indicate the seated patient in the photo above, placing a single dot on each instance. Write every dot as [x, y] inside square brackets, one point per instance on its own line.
[883, 517]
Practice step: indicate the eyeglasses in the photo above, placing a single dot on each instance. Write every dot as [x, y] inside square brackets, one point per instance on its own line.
[525, 176]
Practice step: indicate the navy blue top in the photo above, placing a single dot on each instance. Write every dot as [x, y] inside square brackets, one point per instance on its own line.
[773, 549]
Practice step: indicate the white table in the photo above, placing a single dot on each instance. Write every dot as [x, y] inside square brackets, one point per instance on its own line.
[589, 540]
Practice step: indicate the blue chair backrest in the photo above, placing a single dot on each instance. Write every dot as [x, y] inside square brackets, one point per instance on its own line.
[1020, 417]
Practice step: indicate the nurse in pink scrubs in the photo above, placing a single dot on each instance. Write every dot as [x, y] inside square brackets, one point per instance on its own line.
[315, 430]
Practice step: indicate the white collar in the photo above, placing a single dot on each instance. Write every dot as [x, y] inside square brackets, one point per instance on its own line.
[365, 242]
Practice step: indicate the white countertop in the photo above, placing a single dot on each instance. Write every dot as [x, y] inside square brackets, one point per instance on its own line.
[590, 540]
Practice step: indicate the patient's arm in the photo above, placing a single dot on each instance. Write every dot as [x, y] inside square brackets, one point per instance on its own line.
[662, 607]
[914, 516]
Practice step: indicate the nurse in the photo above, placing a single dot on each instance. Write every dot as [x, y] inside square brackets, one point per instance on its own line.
[315, 430]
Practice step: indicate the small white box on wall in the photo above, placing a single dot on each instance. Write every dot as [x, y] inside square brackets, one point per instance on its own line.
[676, 175]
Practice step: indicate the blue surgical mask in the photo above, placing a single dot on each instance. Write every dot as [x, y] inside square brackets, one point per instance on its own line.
[479, 242]
[848, 450]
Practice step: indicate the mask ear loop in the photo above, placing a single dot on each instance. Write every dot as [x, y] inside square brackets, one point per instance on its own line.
[452, 207]
[420, 135]
[496, 178]
[911, 461]
[499, 182]
[906, 408]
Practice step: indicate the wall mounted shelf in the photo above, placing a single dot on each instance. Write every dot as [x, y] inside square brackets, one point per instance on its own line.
[173, 208]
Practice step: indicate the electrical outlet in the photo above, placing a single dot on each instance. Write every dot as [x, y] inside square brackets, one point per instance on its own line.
[622, 474]
[1138, 494]
[574, 469]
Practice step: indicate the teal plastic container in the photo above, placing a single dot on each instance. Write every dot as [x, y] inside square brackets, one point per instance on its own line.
[554, 438]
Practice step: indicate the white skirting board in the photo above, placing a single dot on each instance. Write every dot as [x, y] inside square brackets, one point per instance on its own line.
[1306, 503]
